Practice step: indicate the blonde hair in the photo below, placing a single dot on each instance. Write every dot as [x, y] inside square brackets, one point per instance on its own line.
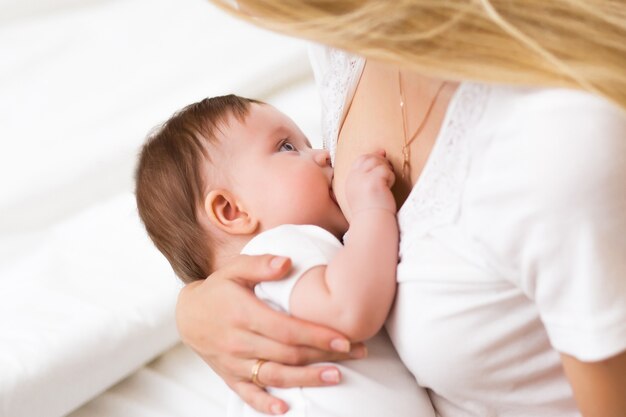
[566, 43]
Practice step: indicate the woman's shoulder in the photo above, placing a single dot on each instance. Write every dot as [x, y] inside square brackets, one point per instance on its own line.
[546, 201]
[556, 139]
[552, 113]
[546, 158]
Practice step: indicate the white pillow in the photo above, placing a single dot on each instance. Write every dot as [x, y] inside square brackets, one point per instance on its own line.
[92, 303]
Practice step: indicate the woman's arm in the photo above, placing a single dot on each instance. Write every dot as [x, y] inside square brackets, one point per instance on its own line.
[565, 226]
[230, 337]
[599, 387]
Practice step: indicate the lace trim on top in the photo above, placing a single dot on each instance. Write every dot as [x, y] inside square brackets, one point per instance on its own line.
[436, 197]
[337, 88]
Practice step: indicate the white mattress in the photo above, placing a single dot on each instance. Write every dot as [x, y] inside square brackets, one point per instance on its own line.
[176, 384]
[89, 304]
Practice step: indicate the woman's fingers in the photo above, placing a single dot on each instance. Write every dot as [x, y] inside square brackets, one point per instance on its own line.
[295, 332]
[221, 331]
[222, 320]
[273, 374]
[259, 399]
[281, 376]
[251, 346]
[250, 270]
[256, 318]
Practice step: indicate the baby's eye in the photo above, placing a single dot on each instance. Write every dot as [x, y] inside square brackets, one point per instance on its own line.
[287, 146]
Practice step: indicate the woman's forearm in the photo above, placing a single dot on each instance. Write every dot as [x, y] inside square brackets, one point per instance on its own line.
[599, 387]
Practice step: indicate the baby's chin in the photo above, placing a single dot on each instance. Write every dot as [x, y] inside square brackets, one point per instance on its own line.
[342, 229]
[336, 224]
[332, 196]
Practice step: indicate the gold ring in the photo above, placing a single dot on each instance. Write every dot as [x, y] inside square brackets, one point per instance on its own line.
[255, 373]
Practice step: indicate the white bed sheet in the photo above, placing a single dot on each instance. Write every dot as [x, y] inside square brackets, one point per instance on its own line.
[177, 384]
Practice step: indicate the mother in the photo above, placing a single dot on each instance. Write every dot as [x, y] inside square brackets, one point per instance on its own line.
[512, 280]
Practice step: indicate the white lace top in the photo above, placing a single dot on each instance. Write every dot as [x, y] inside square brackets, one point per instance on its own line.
[513, 244]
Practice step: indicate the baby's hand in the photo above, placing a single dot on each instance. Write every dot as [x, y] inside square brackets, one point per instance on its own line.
[368, 185]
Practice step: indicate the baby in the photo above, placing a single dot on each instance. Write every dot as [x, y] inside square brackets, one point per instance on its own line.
[230, 175]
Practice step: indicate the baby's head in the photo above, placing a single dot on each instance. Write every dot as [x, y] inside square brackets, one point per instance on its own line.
[222, 170]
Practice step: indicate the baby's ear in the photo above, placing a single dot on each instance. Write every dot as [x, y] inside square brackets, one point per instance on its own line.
[227, 213]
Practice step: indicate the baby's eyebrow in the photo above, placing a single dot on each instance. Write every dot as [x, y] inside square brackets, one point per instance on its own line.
[278, 130]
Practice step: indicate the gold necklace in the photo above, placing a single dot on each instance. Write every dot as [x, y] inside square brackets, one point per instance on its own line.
[406, 148]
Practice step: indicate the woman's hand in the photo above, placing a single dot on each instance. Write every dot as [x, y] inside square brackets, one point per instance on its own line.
[221, 319]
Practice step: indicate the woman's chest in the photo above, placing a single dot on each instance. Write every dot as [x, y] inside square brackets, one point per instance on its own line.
[375, 120]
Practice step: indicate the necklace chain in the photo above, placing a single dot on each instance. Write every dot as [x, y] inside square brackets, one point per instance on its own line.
[406, 147]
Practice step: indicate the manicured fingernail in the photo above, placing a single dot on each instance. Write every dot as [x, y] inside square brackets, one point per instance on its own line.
[277, 262]
[277, 409]
[340, 345]
[359, 352]
[330, 375]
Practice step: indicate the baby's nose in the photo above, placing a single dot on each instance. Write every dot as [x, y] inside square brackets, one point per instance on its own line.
[322, 157]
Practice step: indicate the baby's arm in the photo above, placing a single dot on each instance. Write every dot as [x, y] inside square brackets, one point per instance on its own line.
[354, 292]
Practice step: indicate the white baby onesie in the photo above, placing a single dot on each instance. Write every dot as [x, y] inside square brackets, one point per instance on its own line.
[379, 385]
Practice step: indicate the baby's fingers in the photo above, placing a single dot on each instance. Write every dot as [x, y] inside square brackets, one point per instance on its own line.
[368, 162]
[385, 172]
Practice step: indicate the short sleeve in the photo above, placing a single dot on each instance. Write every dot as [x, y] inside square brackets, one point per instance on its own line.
[558, 217]
[307, 246]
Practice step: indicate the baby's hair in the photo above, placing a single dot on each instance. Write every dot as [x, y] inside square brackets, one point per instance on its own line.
[169, 185]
